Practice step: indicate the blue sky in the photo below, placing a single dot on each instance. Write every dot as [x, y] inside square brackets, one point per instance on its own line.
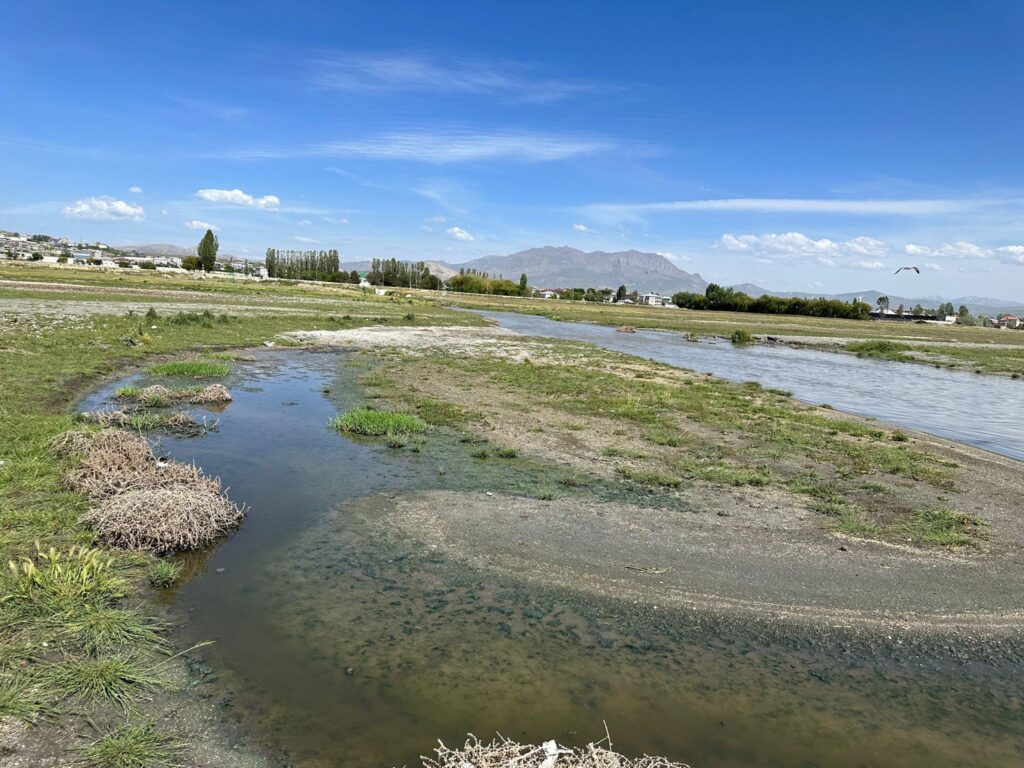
[798, 145]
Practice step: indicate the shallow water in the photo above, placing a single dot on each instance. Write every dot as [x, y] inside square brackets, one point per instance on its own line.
[984, 411]
[308, 591]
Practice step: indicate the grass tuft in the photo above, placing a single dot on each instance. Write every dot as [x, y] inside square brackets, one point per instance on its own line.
[115, 679]
[133, 746]
[191, 369]
[164, 573]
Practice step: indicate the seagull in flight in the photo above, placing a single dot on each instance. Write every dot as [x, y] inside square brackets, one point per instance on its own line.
[916, 269]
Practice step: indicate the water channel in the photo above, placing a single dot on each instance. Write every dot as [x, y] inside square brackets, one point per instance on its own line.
[339, 647]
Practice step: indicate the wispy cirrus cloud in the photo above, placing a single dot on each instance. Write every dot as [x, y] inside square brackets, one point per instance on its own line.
[441, 147]
[104, 208]
[238, 197]
[867, 207]
[353, 72]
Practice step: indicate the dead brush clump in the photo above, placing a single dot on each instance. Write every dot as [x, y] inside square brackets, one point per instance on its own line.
[163, 520]
[116, 460]
[503, 753]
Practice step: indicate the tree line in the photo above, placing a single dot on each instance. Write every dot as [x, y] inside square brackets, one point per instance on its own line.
[308, 265]
[402, 274]
[472, 281]
[730, 300]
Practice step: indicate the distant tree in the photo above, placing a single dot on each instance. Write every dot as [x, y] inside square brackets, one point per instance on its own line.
[883, 302]
[207, 250]
[522, 284]
[900, 310]
[918, 309]
[191, 263]
[620, 294]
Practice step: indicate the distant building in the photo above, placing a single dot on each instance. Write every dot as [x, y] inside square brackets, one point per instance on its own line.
[547, 293]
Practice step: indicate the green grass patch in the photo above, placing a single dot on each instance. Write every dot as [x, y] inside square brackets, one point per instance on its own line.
[191, 369]
[363, 421]
[742, 336]
[650, 478]
[945, 528]
[881, 350]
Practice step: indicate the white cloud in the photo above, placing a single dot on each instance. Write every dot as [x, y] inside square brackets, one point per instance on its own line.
[436, 220]
[672, 256]
[238, 197]
[304, 222]
[332, 220]
[367, 72]
[301, 239]
[962, 249]
[197, 224]
[460, 234]
[1011, 254]
[796, 245]
[583, 228]
[104, 208]
[931, 265]
[868, 265]
[441, 146]
[958, 250]
[135, 189]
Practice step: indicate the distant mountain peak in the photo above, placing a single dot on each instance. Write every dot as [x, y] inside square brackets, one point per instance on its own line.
[563, 266]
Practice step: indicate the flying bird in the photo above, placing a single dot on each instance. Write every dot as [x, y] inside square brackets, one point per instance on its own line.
[916, 269]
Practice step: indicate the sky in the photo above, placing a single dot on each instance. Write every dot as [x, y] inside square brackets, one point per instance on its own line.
[797, 145]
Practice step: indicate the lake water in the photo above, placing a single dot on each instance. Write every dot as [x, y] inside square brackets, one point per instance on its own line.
[340, 648]
[984, 411]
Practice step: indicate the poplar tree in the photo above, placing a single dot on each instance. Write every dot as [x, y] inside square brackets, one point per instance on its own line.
[207, 250]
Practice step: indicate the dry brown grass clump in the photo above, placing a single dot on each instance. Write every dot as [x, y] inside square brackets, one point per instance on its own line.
[116, 460]
[215, 393]
[164, 520]
[505, 753]
[70, 443]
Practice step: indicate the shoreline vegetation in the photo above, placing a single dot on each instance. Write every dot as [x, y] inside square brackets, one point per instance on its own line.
[80, 641]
